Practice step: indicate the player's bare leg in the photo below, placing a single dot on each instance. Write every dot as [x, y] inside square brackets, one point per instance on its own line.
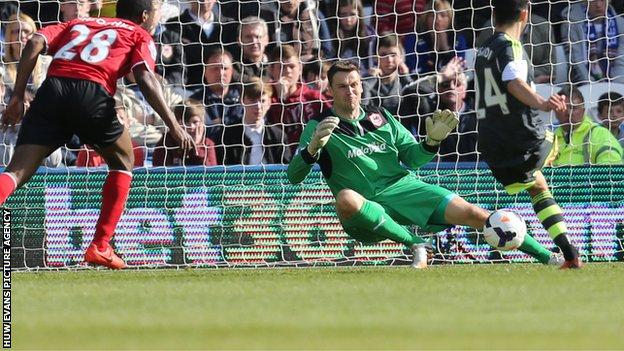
[359, 215]
[120, 160]
[550, 215]
[26, 159]
[461, 212]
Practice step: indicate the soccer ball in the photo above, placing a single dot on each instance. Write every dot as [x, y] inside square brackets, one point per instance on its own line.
[504, 230]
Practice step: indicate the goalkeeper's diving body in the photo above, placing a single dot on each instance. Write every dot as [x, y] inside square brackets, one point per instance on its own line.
[360, 150]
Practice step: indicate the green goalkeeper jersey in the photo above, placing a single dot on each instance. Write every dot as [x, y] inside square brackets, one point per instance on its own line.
[364, 155]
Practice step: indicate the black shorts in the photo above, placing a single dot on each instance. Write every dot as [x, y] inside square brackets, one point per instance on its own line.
[521, 177]
[64, 107]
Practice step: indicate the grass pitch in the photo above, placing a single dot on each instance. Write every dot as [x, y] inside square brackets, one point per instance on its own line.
[451, 307]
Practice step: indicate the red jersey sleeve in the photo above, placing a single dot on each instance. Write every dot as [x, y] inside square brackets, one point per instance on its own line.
[52, 35]
[144, 51]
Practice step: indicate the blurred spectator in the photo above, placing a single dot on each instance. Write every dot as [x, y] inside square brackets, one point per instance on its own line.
[198, 29]
[142, 119]
[297, 23]
[611, 114]
[397, 16]
[387, 80]
[168, 153]
[594, 31]
[42, 12]
[254, 142]
[239, 9]
[108, 8]
[7, 8]
[8, 137]
[448, 91]
[253, 40]
[435, 43]
[169, 49]
[17, 31]
[103, 8]
[87, 157]
[315, 75]
[72, 9]
[219, 96]
[351, 37]
[293, 102]
[537, 41]
[578, 140]
[470, 15]
[3, 95]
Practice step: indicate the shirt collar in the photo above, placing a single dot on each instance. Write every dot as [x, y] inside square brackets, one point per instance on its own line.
[252, 128]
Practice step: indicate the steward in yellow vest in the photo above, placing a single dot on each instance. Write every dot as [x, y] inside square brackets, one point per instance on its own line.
[578, 140]
[587, 143]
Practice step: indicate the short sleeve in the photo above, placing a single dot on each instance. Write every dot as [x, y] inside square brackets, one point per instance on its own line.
[511, 62]
[515, 70]
[144, 52]
[52, 35]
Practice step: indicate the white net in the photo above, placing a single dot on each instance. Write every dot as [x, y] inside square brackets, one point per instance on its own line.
[231, 204]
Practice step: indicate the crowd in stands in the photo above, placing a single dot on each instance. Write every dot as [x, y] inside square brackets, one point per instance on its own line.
[245, 76]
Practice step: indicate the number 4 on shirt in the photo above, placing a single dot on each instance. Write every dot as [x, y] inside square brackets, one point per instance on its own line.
[492, 94]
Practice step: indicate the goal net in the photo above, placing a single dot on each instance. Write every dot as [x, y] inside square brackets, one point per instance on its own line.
[244, 214]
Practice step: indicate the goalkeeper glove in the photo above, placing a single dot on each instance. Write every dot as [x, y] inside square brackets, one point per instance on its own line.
[440, 126]
[321, 134]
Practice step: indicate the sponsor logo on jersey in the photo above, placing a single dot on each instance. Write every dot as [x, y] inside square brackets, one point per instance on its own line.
[367, 150]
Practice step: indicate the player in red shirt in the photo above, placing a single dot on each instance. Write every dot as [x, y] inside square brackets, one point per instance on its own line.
[89, 55]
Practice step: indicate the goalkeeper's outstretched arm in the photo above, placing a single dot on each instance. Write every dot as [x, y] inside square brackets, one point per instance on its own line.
[314, 137]
[413, 155]
[300, 165]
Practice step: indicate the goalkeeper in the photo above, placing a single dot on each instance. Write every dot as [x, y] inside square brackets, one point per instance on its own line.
[360, 152]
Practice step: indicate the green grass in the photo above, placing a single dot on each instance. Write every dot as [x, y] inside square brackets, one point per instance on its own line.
[468, 307]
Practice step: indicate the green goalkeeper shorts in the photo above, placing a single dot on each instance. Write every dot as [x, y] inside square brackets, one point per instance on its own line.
[410, 201]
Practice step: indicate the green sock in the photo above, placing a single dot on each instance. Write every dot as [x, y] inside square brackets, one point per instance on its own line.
[531, 247]
[372, 217]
